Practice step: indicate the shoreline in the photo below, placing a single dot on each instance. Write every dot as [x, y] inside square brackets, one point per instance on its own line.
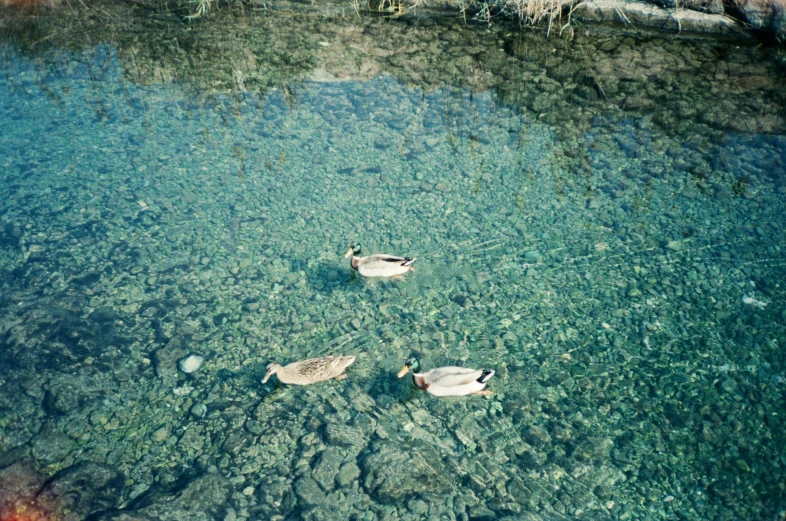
[551, 15]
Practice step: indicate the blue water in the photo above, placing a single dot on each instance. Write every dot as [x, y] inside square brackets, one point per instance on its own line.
[623, 278]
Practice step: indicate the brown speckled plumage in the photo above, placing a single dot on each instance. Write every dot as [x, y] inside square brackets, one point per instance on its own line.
[310, 371]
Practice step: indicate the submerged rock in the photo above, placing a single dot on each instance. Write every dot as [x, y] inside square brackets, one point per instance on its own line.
[52, 445]
[69, 393]
[392, 474]
[166, 357]
[327, 468]
[202, 499]
[191, 363]
[198, 410]
[352, 439]
[348, 473]
[769, 15]
[308, 491]
[18, 485]
[76, 492]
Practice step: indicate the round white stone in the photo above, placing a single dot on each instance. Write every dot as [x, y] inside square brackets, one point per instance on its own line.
[191, 363]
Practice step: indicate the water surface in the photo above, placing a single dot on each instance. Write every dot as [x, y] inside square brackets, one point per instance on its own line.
[598, 219]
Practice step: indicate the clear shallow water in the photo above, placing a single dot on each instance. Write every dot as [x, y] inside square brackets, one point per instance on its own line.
[622, 277]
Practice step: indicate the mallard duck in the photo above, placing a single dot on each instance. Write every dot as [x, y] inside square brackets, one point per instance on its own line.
[378, 264]
[310, 371]
[448, 381]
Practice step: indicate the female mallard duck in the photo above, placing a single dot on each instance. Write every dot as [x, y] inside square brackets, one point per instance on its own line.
[310, 371]
[379, 264]
[448, 381]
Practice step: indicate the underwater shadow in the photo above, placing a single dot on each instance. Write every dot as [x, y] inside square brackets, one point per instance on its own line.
[385, 387]
[327, 277]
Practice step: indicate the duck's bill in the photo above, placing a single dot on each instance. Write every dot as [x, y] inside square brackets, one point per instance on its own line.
[404, 370]
[350, 252]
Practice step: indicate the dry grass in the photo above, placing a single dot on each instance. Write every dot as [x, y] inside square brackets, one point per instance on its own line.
[528, 12]
[535, 11]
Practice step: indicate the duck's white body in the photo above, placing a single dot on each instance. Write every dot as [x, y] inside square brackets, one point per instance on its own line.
[378, 264]
[449, 380]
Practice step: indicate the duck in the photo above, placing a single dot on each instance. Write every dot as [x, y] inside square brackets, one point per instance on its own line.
[378, 264]
[448, 381]
[310, 371]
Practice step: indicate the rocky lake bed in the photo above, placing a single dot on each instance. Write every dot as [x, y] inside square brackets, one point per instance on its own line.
[597, 216]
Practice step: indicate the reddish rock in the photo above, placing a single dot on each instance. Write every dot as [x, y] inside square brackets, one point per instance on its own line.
[19, 484]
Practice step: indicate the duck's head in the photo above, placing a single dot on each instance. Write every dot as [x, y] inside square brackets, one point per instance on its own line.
[411, 364]
[272, 368]
[485, 375]
[353, 250]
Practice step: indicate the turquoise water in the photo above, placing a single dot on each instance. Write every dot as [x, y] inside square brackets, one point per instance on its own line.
[622, 276]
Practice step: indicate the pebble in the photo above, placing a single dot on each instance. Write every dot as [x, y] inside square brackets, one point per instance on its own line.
[161, 434]
[191, 363]
[729, 385]
[198, 410]
[348, 473]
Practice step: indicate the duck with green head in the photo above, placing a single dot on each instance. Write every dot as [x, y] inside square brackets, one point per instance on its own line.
[378, 264]
[448, 381]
